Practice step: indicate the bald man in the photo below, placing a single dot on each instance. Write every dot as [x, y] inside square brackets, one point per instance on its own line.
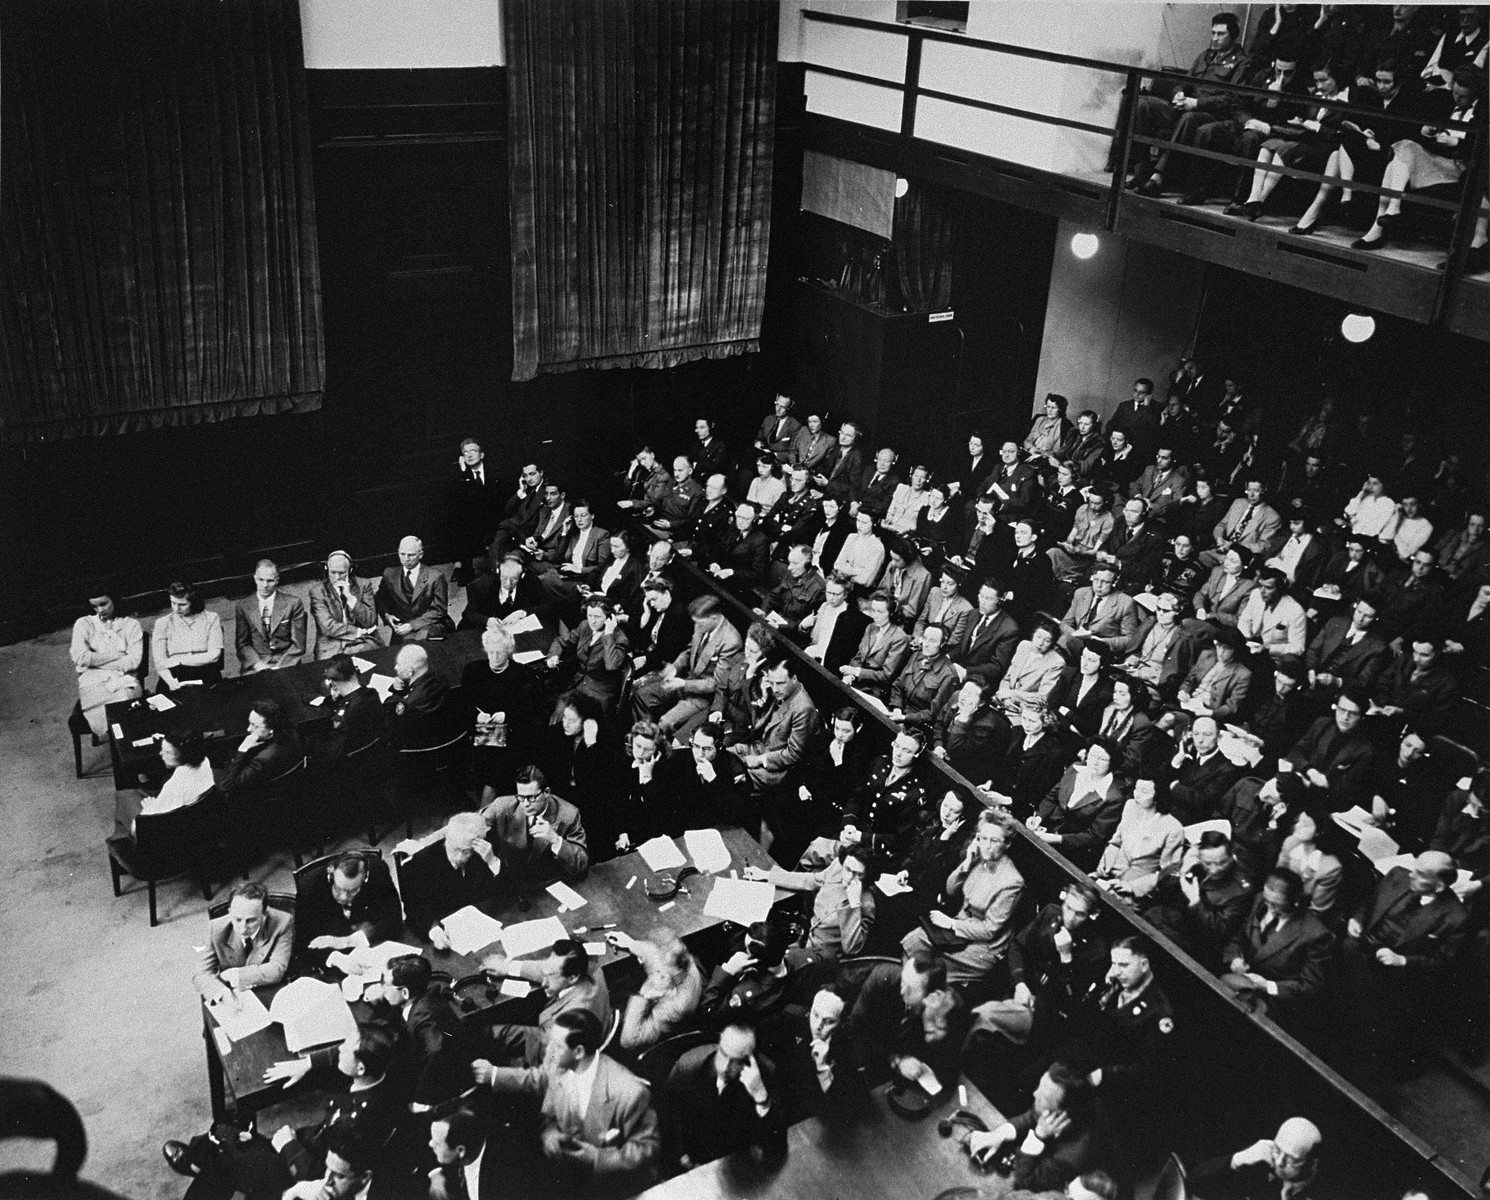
[419, 710]
[413, 598]
[1284, 1165]
[345, 609]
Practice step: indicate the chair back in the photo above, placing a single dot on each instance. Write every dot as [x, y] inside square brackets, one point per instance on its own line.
[372, 857]
[182, 835]
[282, 901]
[1452, 760]
[657, 1062]
[1170, 1184]
[854, 972]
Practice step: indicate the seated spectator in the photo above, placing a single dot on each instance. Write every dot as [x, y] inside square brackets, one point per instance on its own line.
[1466, 631]
[827, 780]
[597, 652]
[352, 903]
[1062, 499]
[344, 609]
[972, 733]
[1463, 834]
[570, 984]
[837, 626]
[418, 709]
[1278, 960]
[987, 547]
[1027, 574]
[1129, 1029]
[1222, 596]
[753, 980]
[1286, 1164]
[745, 555]
[620, 581]
[1142, 746]
[926, 686]
[708, 787]
[1090, 442]
[888, 805]
[1346, 650]
[907, 503]
[1081, 812]
[1063, 1134]
[183, 753]
[447, 875]
[1162, 651]
[1010, 486]
[520, 513]
[1073, 556]
[501, 701]
[992, 635]
[830, 531]
[1462, 552]
[1302, 556]
[798, 593]
[907, 1021]
[414, 599]
[581, 553]
[1250, 523]
[599, 1128]
[268, 627]
[1057, 964]
[810, 445]
[267, 752]
[1034, 761]
[1274, 723]
[668, 996]
[945, 606]
[1204, 906]
[1334, 755]
[1409, 602]
[1134, 547]
[1416, 687]
[1100, 614]
[647, 481]
[863, 554]
[1035, 669]
[842, 469]
[536, 836]
[1272, 621]
[1180, 571]
[714, 524]
[779, 735]
[937, 523]
[767, 487]
[186, 647]
[1201, 511]
[1162, 485]
[248, 948]
[554, 522]
[906, 583]
[661, 632]
[1319, 873]
[1147, 845]
[1371, 513]
[1413, 529]
[842, 906]
[934, 854]
[356, 715]
[1218, 683]
[674, 514]
[1201, 772]
[1083, 698]
[107, 651]
[1120, 463]
[724, 1098]
[684, 688]
[985, 886]
[820, 1072]
[1051, 435]
[503, 593]
[882, 652]
[1349, 575]
[1137, 418]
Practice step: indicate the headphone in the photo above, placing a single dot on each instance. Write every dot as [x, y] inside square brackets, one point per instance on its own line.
[669, 885]
[351, 568]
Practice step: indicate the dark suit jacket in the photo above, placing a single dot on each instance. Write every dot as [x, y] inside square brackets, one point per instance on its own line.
[976, 747]
[356, 720]
[262, 764]
[716, 1123]
[844, 470]
[847, 631]
[1032, 584]
[483, 600]
[375, 910]
[1430, 933]
[1086, 829]
[988, 647]
[1018, 482]
[1086, 711]
[1081, 1148]
[660, 637]
[427, 610]
[1295, 957]
[432, 889]
[1216, 1179]
[1361, 664]
[283, 645]
[1344, 760]
[874, 495]
[1138, 554]
[626, 589]
[422, 715]
[1198, 787]
[748, 556]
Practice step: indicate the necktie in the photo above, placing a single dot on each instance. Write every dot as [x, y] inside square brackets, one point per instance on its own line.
[1246, 520]
[267, 613]
[1091, 614]
[409, 577]
[979, 628]
[248, 948]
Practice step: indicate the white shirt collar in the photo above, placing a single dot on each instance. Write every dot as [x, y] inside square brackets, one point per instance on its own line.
[582, 1084]
[472, 1172]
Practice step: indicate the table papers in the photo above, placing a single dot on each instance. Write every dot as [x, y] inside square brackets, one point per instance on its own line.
[707, 849]
[240, 1014]
[661, 854]
[523, 657]
[382, 684]
[529, 937]
[469, 930]
[743, 901]
[312, 1013]
[890, 885]
[566, 896]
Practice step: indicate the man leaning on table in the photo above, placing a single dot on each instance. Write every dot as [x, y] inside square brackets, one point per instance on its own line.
[249, 947]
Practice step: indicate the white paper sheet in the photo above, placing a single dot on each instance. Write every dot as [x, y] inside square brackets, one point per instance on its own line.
[312, 1013]
[743, 901]
[1377, 845]
[526, 623]
[161, 703]
[1239, 751]
[240, 1015]
[566, 895]
[382, 684]
[363, 665]
[469, 930]
[527, 656]
[890, 885]
[515, 987]
[596, 950]
[368, 961]
[707, 849]
[661, 854]
[1354, 820]
[529, 937]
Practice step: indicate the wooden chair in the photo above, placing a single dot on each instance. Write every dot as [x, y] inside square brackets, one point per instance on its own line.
[169, 845]
[655, 1063]
[1170, 1183]
[270, 816]
[423, 772]
[77, 723]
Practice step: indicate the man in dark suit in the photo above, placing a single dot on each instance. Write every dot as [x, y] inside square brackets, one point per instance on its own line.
[722, 1094]
[473, 509]
[1280, 957]
[798, 514]
[344, 609]
[414, 599]
[353, 896]
[1201, 773]
[820, 1072]
[1027, 574]
[714, 521]
[356, 714]
[268, 627]
[520, 513]
[842, 468]
[458, 870]
[835, 628]
[710, 455]
[551, 526]
[462, 1168]
[1137, 418]
[662, 631]
[1063, 1134]
[1334, 755]
[1286, 1164]
[249, 947]
[992, 636]
[989, 545]
[745, 554]
[778, 430]
[509, 589]
[1163, 484]
[1011, 484]
[269, 750]
[418, 710]
[878, 488]
[1347, 651]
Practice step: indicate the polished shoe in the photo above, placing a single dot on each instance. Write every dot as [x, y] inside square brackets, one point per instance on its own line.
[1252, 209]
[178, 1158]
[1236, 208]
[1304, 230]
[1362, 244]
[1152, 186]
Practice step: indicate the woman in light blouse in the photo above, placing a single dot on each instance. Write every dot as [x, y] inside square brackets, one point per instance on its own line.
[908, 501]
[863, 554]
[1147, 842]
[106, 650]
[1320, 872]
[1051, 436]
[186, 643]
[184, 754]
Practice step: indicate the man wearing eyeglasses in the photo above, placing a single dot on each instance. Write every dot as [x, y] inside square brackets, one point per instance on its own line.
[1347, 649]
[1334, 756]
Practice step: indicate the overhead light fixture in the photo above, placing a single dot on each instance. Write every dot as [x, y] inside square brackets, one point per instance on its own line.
[901, 187]
[1357, 327]
[1084, 245]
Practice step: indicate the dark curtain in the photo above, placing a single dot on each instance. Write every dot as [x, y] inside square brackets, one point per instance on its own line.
[923, 241]
[157, 225]
[640, 146]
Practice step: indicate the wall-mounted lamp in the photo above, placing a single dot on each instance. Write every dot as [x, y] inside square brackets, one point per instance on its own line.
[1357, 327]
[901, 187]
[1084, 245]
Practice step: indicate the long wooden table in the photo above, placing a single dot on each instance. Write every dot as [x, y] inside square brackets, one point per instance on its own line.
[221, 712]
[238, 1075]
[872, 1154]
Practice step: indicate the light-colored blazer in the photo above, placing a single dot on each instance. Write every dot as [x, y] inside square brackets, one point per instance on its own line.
[266, 963]
[880, 662]
[783, 738]
[338, 630]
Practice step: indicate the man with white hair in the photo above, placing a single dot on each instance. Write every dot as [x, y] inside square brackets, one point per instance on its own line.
[459, 869]
[413, 598]
[1285, 1166]
[344, 609]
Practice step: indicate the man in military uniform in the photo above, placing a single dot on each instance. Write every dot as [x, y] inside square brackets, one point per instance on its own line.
[892, 801]
[1206, 907]
[715, 523]
[356, 715]
[674, 513]
[754, 979]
